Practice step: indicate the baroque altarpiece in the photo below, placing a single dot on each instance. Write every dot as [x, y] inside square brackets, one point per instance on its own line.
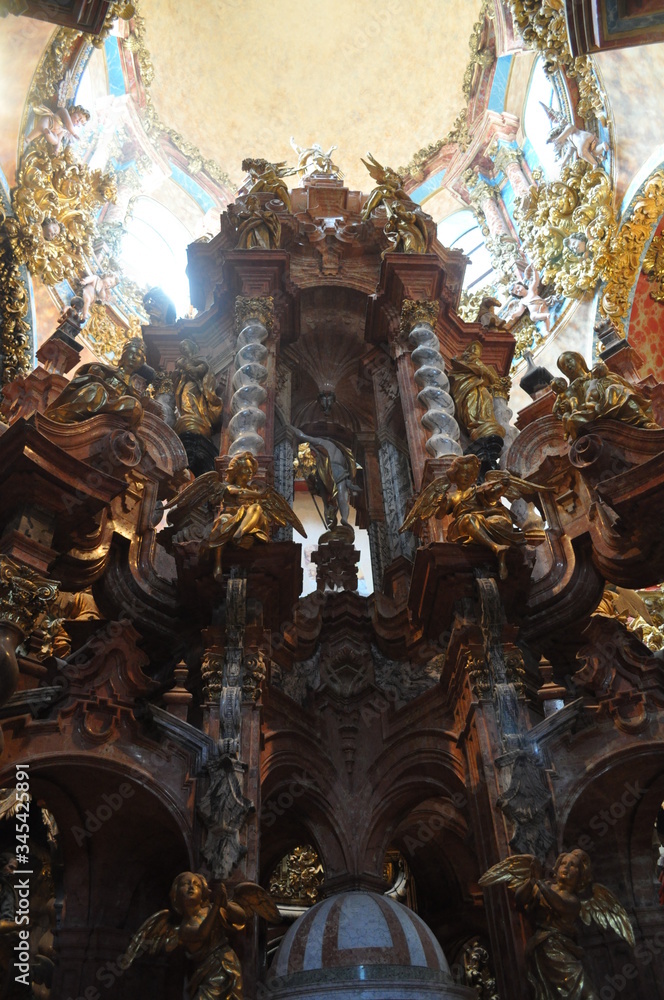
[447, 787]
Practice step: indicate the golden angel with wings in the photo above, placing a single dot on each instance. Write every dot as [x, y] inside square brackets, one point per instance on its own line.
[245, 514]
[205, 919]
[553, 907]
[389, 189]
[476, 509]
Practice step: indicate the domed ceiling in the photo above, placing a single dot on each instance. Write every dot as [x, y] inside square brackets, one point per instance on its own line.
[239, 77]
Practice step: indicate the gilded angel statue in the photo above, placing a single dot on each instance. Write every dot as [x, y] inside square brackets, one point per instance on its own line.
[204, 918]
[406, 231]
[245, 513]
[267, 177]
[553, 907]
[477, 512]
[388, 190]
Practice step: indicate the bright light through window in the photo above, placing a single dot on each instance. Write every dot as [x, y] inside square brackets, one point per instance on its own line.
[536, 121]
[461, 232]
[154, 251]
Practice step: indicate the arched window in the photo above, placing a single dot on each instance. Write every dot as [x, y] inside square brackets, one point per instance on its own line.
[536, 123]
[461, 231]
[154, 250]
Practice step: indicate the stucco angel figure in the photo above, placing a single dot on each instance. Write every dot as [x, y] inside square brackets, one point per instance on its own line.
[389, 189]
[472, 385]
[97, 288]
[525, 297]
[246, 513]
[199, 407]
[255, 226]
[58, 118]
[553, 906]
[204, 919]
[477, 512]
[98, 388]
[314, 160]
[568, 139]
[267, 177]
[596, 393]
[406, 231]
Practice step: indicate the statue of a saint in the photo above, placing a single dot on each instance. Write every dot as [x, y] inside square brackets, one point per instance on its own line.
[472, 384]
[331, 479]
[99, 388]
[553, 906]
[596, 393]
[204, 919]
[256, 226]
[199, 407]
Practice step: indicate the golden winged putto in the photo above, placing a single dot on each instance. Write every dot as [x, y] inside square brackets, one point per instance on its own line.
[245, 513]
[204, 918]
[477, 512]
[553, 906]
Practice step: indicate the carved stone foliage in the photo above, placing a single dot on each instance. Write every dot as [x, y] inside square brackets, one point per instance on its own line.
[223, 810]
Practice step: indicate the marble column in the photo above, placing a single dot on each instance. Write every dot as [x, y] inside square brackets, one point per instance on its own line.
[254, 319]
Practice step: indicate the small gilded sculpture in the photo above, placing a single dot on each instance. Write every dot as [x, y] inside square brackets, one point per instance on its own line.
[255, 226]
[246, 513]
[487, 316]
[198, 405]
[477, 511]
[553, 906]
[267, 177]
[473, 384]
[406, 231]
[596, 393]
[389, 189]
[205, 919]
[99, 388]
[314, 160]
[329, 474]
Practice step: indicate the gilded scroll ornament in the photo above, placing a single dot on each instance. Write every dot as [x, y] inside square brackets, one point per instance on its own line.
[204, 919]
[298, 877]
[415, 311]
[567, 228]
[596, 393]
[553, 907]
[55, 203]
[477, 512]
[653, 267]
[542, 26]
[14, 306]
[26, 599]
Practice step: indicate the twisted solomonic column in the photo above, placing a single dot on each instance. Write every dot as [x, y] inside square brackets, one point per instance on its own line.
[253, 321]
[417, 323]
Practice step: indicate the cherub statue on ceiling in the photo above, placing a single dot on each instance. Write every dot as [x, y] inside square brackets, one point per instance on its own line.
[569, 140]
[314, 160]
[266, 177]
[58, 119]
[525, 297]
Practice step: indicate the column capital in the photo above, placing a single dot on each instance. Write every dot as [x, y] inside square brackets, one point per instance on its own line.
[260, 308]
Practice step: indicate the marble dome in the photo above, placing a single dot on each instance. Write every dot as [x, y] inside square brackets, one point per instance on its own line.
[361, 943]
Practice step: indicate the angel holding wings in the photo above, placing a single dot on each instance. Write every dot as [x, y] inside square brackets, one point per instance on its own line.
[245, 515]
[553, 907]
[207, 917]
[388, 192]
[477, 512]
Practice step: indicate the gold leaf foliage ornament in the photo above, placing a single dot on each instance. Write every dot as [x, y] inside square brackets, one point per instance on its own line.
[55, 203]
[567, 227]
[14, 305]
[653, 267]
[624, 264]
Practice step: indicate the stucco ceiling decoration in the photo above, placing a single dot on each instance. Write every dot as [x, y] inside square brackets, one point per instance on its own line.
[239, 77]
